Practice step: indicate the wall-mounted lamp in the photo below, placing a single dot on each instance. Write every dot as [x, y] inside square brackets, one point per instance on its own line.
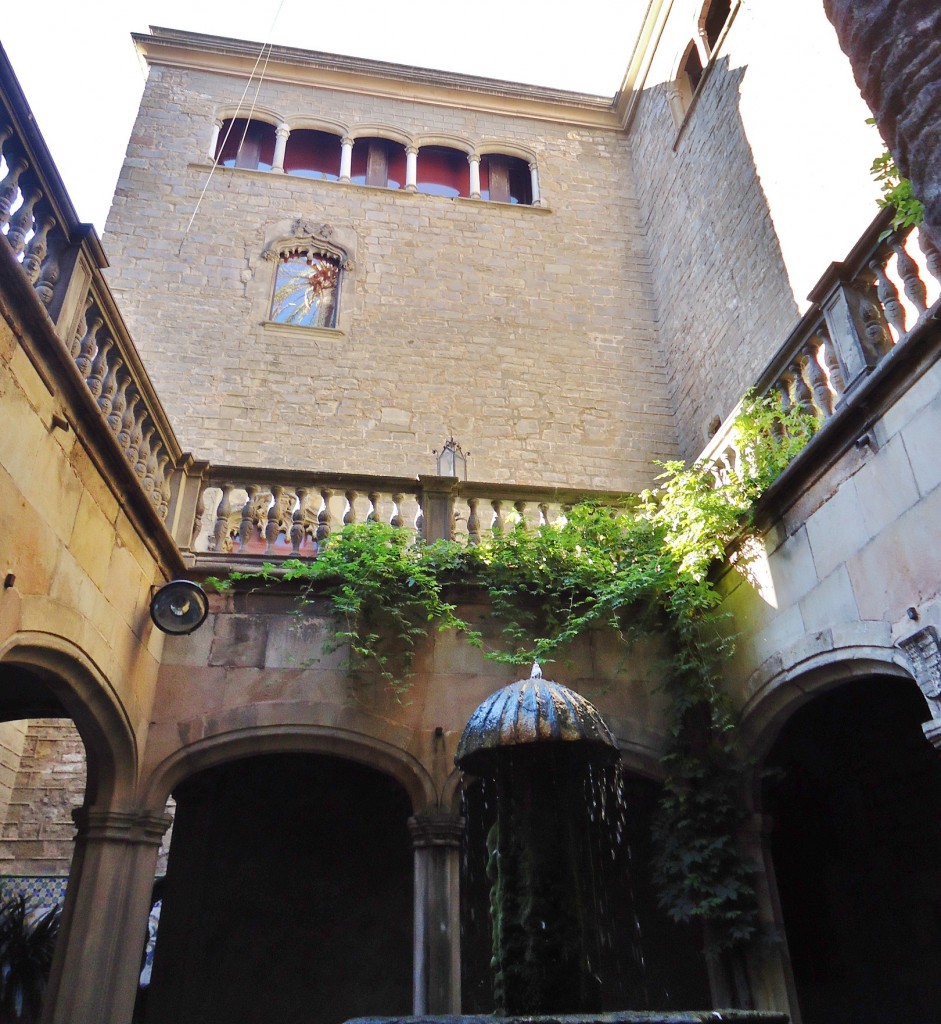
[179, 607]
[452, 459]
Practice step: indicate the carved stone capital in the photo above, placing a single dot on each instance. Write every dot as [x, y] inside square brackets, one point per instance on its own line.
[924, 649]
[436, 830]
[121, 826]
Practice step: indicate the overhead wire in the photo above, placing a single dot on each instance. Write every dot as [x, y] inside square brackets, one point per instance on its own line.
[265, 51]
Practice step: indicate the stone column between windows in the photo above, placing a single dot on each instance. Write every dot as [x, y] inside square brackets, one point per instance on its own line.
[346, 159]
[214, 139]
[534, 183]
[104, 922]
[474, 160]
[411, 169]
[281, 135]
[437, 840]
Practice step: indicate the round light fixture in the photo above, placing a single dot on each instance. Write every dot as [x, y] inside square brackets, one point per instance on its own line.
[179, 607]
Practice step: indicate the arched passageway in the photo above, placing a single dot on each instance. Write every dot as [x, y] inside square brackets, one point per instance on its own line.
[854, 794]
[288, 896]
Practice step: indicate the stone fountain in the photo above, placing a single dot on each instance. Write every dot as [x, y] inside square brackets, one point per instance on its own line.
[536, 740]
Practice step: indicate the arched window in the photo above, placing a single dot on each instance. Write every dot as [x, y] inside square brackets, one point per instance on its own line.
[378, 162]
[312, 154]
[691, 69]
[505, 179]
[247, 144]
[443, 171]
[715, 16]
[306, 287]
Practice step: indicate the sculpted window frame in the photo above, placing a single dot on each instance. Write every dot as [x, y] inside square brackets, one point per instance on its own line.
[307, 282]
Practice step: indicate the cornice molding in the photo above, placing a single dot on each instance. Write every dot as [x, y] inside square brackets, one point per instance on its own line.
[289, 65]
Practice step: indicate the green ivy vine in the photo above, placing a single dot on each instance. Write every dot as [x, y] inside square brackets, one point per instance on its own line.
[897, 193]
[638, 569]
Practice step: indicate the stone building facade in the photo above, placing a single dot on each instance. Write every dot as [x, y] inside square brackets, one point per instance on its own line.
[307, 293]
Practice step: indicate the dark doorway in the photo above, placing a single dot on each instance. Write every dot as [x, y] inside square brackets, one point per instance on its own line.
[288, 896]
[854, 793]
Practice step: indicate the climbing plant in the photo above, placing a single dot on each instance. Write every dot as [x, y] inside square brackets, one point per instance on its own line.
[896, 191]
[640, 569]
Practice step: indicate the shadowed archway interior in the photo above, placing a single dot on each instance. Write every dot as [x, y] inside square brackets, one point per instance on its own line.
[854, 792]
[288, 895]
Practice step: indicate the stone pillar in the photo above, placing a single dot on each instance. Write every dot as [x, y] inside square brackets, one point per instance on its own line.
[474, 161]
[767, 961]
[346, 159]
[214, 138]
[411, 169]
[438, 506]
[534, 183]
[437, 966]
[281, 135]
[104, 923]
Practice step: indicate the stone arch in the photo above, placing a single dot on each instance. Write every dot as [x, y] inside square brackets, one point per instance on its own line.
[800, 673]
[445, 140]
[256, 112]
[234, 739]
[316, 124]
[106, 730]
[497, 147]
[381, 130]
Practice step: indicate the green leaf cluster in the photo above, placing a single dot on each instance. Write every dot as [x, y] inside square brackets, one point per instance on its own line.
[640, 569]
[896, 191]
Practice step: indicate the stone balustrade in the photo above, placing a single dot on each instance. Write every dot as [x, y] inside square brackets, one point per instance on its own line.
[62, 260]
[244, 514]
[863, 309]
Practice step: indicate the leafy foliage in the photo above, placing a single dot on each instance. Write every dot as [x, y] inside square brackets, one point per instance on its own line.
[638, 569]
[896, 191]
[27, 943]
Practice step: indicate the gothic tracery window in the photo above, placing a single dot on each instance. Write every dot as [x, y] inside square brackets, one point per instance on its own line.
[307, 284]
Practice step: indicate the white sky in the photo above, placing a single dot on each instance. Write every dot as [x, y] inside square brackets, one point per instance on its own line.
[82, 78]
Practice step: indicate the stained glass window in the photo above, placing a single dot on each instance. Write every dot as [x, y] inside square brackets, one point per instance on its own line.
[305, 289]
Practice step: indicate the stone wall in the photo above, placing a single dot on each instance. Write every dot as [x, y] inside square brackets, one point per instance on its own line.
[750, 198]
[529, 333]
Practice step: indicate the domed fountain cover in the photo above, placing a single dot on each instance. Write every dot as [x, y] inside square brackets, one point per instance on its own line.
[533, 710]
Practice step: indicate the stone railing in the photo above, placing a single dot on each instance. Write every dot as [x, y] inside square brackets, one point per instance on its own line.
[862, 310]
[251, 514]
[61, 259]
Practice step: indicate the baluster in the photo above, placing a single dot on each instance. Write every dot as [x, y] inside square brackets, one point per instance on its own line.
[9, 188]
[6, 133]
[143, 450]
[81, 329]
[396, 520]
[544, 514]
[198, 516]
[220, 534]
[349, 516]
[163, 486]
[912, 283]
[373, 516]
[88, 347]
[99, 368]
[783, 386]
[247, 522]
[818, 382]
[420, 518]
[832, 362]
[519, 507]
[888, 296]
[273, 527]
[932, 256]
[801, 392]
[48, 278]
[149, 479]
[21, 223]
[129, 436]
[298, 529]
[496, 527]
[473, 521]
[118, 404]
[109, 389]
[38, 247]
[324, 526]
